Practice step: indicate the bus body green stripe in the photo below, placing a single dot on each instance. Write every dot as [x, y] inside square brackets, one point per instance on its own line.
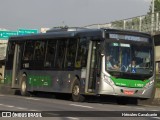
[129, 82]
[39, 81]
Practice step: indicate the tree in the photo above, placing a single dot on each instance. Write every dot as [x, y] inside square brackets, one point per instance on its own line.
[156, 6]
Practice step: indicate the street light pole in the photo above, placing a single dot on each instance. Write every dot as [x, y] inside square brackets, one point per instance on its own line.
[152, 17]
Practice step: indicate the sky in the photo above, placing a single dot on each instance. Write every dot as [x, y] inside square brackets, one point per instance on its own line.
[35, 14]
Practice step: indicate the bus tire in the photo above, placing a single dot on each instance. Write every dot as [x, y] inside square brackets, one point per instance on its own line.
[23, 89]
[76, 96]
[122, 100]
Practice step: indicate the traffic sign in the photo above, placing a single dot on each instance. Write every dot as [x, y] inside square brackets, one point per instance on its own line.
[27, 31]
[7, 34]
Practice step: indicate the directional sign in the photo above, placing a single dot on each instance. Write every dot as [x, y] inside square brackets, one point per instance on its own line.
[7, 34]
[27, 31]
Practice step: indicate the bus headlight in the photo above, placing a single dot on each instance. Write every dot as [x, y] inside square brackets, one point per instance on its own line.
[149, 84]
[108, 80]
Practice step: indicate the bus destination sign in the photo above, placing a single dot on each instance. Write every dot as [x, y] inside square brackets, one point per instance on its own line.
[129, 37]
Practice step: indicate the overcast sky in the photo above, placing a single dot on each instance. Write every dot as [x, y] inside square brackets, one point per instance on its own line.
[34, 14]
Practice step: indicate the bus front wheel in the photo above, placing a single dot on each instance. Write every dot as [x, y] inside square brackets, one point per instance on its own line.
[76, 96]
[122, 100]
[23, 88]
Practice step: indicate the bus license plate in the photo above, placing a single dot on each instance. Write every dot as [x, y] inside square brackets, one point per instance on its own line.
[128, 92]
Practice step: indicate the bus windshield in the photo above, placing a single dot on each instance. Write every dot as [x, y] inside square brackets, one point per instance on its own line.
[129, 58]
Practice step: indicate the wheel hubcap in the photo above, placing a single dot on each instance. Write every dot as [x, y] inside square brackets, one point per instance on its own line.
[23, 86]
[76, 90]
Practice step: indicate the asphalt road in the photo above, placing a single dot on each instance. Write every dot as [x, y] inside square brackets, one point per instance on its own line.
[65, 109]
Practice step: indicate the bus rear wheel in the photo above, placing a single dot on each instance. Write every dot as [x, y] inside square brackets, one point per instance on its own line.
[23, 89]
[76, 96]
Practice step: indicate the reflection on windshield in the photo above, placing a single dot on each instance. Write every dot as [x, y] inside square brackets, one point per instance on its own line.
[129, 58]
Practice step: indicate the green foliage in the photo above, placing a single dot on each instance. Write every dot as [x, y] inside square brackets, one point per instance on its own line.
[156, 6]
[158, 80]
[158, 85]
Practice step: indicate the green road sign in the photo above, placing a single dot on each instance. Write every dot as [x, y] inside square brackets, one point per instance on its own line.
[27, 31]
[7, 34]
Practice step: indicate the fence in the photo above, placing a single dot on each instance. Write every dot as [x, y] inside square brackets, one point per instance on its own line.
[147, 23]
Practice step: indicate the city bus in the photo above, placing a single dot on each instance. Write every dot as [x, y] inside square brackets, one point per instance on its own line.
[74, 61]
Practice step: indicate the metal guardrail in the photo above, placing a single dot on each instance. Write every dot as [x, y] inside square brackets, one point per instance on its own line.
[149, 23]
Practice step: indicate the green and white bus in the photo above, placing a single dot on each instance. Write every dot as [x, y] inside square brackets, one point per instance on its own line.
[75, 61]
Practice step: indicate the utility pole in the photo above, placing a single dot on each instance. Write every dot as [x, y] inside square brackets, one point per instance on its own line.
[152, 17]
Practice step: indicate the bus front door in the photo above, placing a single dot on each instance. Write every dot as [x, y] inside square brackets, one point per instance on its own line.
[92, 67]
[16, 66]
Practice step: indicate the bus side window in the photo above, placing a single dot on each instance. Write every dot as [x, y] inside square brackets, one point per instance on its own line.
[82, 54]
[29, 50]
[60, 55]
[39, 50]
[50, 55]
[71, 53]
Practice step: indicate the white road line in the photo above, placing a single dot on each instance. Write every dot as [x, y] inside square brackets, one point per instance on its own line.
[141, 108]
[123, 106]
[9, 106]
[73, 118]
[21, 108]
[53, 114]
[154, 110]
[156, 117]
[34, 110]
[150, 106]
[32, 99]
[2, 95]
[81, 106]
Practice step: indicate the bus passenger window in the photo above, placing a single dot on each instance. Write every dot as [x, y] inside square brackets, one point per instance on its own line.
[29, 50]
[50, 55]
[71, 53]
[82, 54]
[60, 55]
[39, 50]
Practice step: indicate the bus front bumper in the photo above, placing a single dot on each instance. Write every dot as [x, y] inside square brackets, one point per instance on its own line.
[128, 92]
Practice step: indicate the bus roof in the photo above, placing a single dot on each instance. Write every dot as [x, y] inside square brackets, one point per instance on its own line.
[75, 33]
[60, 34]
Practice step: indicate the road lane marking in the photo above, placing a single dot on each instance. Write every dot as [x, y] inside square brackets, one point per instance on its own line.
[32, 99]
[21, 108]
[53, 114]
[150, 106]
[34, 110]
[73, 118]
[81, 106]
[9, 106]
[123, 106]
[154, 110]
[141, 108]
[156, 117]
